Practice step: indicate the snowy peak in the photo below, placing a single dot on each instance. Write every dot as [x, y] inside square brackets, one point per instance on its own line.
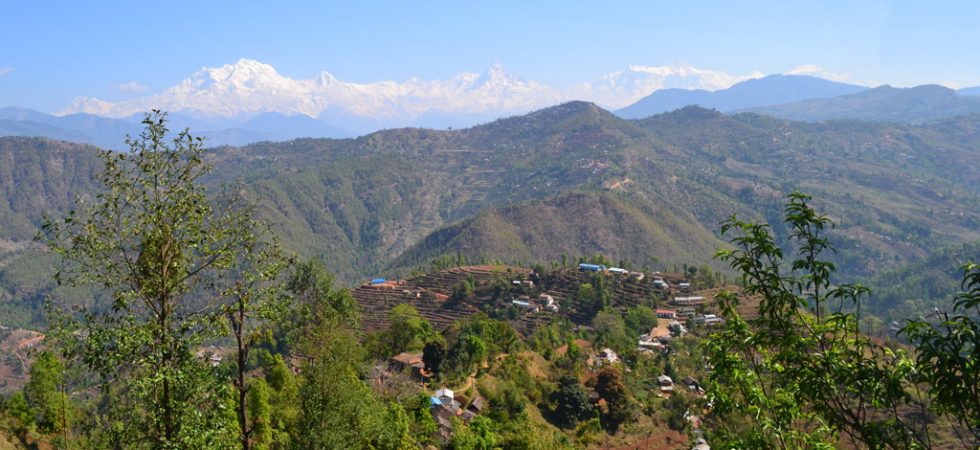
[244, 74]
[248, 87]
[625, 87]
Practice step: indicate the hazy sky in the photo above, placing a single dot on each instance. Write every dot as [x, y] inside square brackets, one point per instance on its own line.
[52, 52]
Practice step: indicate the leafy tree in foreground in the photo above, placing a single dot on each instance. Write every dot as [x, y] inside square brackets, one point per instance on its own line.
[161, 249]
[801, 373]
[255, 306]
[948, 356]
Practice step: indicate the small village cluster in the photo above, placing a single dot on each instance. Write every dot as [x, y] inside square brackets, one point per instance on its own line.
[681, 309]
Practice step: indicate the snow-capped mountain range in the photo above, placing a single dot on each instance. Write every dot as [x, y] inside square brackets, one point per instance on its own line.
[248, 88]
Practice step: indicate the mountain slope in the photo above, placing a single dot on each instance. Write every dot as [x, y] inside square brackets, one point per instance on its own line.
[576, 223]
[882, 104]
[770, 90]
[570, 178]
[969, 91]
[111, 133]
[292, 127]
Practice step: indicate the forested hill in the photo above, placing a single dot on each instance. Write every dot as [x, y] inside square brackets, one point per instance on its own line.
[649, 191]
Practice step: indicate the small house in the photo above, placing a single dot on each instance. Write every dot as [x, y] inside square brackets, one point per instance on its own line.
[445, 393]
[467, 416]
[477, 405]
[686, 311]
[591, 267]
[666, 314]
[695, 300]
[524, 305]
[691, 383]
[619, 271]
[607, 356]
[709, 320]
[448, 399]
[378, 281]
[412, 361]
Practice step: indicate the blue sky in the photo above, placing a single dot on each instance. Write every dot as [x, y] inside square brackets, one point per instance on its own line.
[55, 51]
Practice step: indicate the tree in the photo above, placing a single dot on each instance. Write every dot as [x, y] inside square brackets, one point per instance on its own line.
[468, 353]
[255, 307]
[16, 406]
[259, 430]
[478, 435]
[45, 393]
[640, 320]
[612, 388]
[433, 354]
[316, 300]
[571, 403]
[408, 330]
[610, 331]
[802, 371]
[337, 409]
[948, 356]
[161, 249]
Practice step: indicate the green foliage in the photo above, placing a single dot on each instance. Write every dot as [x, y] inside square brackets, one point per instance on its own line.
[423, 425]
[571, 402]
[802, 370]
[315, 300]
[610, 331]
[338, 410]
[640, 320]
[151, 240]
[464, 289]
[408, 331]
[283, 404]
[45, 394]
[468, 344]
[478, 435]
[947, 355]
[620, 407]
[259, 412]
[16, 406]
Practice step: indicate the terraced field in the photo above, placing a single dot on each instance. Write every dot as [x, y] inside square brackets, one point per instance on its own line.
[494, 291]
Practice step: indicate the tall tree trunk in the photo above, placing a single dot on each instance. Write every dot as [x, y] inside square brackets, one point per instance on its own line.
[237, 319]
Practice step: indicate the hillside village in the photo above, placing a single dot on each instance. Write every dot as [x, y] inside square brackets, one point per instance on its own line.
[532, 300]
[529, 299]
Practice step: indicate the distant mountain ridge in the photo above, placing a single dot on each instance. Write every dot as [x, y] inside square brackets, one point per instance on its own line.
[881, 104]
[769, 90]
[110, 133]
[969, 91]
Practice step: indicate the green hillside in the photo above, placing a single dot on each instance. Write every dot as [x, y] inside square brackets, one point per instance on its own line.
[616, 225]
[568, 179]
